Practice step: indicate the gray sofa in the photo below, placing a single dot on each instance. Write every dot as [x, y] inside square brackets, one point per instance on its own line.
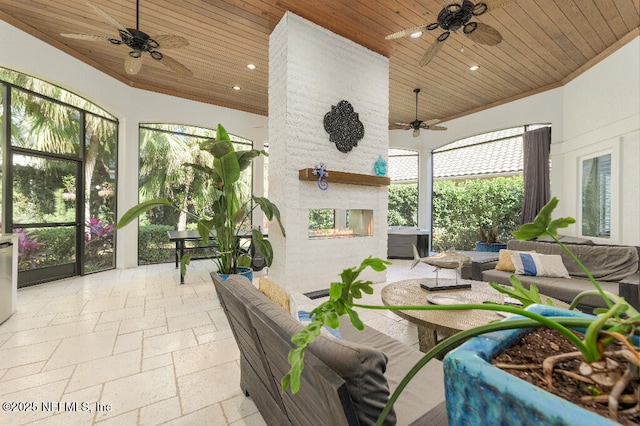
[344, 382]
[614, 267]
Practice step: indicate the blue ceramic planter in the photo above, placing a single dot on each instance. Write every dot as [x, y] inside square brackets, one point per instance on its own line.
[245, 272]
[478, 393]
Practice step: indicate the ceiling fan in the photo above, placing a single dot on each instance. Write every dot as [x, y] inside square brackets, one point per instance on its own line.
[454, 16]
[416, 124]
[139, 42]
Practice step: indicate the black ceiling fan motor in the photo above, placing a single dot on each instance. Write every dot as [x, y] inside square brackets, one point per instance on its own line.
[455, 16]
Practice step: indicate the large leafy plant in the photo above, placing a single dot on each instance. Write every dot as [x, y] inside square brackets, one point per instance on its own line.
[618, 322]
[228, 214]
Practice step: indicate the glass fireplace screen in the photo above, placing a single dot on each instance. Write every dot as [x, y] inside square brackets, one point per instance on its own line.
[338, 223]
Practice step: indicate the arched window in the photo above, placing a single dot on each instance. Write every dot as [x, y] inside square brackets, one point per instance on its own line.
[60, 179]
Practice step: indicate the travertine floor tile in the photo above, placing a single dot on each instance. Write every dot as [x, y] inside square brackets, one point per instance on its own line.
[105, 369]
[138, 390]
[227, 378]
[204, 356]
[168, 342]
[78, 349]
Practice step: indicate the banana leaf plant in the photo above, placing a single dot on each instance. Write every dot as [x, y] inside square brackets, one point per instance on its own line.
[227, 214]
[619, 322]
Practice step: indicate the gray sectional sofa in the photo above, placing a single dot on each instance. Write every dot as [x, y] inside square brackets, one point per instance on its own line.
[614, 267]
[344, 382]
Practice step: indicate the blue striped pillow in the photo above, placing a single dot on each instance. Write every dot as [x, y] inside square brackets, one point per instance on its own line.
[539, 265]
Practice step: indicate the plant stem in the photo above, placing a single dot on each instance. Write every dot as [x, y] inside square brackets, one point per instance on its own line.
[586, 271]
[541, 320]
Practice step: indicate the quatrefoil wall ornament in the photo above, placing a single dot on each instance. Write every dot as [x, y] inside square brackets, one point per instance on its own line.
[344, 126]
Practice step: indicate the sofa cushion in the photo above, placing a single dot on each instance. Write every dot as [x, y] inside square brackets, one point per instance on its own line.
[424, 392]
[504, 261]
[606, 263]
[361, 367]
[558, 288]
[566, 239]
[274, 292]
[540, 265]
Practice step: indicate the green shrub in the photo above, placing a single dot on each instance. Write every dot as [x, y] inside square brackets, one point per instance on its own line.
[154, 245]
[403, 205]
[461, 208]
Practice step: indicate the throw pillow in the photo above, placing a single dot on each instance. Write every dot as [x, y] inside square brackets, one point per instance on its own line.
[301, 307]
[504, 260]
[541, 265]
[274, 292]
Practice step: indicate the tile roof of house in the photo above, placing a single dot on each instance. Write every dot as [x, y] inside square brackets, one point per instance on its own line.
[484, 159]
[462, 159]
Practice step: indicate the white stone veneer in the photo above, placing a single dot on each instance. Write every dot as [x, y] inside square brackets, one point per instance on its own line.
[311, 69]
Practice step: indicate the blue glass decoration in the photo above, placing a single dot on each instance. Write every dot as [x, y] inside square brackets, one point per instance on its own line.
[380, 166]
[323, 176]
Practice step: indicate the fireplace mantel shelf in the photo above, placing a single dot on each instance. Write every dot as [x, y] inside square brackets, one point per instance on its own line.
[345, 177]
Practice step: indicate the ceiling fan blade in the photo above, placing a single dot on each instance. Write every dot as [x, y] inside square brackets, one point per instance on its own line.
[87, 37]
[168, 41]
[430, 122]
[132, 65]
[496, 4]
[403, 124]
[110, 19]
[436, 128]
[176, 66]
[485, 34]
[406, 33]
[416, 132]
[430, 53]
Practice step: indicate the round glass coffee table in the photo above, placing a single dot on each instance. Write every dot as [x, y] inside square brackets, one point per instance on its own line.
[430, 323]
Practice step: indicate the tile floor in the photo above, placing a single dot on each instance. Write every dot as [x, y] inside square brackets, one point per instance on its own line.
[127, 347]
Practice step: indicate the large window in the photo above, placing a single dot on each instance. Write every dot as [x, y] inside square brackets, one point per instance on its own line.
[164, 151]
[60, 179]
[403, 191]
[596, 196]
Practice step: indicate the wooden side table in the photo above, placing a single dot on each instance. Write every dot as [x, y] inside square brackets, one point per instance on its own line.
[430, 323]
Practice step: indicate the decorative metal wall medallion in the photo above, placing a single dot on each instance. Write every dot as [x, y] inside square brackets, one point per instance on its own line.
[323, 176]
[344, 126]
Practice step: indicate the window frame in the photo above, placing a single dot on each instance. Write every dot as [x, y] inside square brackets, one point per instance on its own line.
[614, 225]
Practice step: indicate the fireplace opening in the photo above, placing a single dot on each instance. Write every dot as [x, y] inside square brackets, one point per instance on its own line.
[340, 223]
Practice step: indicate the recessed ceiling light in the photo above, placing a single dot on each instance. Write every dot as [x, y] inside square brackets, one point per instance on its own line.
[416, 34]
[251, 67]
[474, 67]
[236, 87]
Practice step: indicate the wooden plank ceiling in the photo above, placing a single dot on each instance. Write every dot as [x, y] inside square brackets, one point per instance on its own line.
[545, 44]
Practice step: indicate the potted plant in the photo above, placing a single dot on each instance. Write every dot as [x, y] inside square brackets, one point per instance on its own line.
[227, 214]
[489, 240]
[617, 323]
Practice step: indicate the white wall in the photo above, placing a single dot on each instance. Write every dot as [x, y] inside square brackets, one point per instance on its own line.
[21, 52]
[602, 115]
[310, 70]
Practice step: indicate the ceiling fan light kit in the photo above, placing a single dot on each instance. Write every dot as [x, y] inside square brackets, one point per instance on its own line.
[139, 42]
[456, 15]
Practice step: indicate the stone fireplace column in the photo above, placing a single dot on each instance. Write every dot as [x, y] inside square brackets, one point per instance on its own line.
[310, 70]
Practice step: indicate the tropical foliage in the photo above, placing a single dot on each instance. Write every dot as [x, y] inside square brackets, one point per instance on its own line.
[460, 209]
[46, 145]
[403, 205]
[227, 215]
